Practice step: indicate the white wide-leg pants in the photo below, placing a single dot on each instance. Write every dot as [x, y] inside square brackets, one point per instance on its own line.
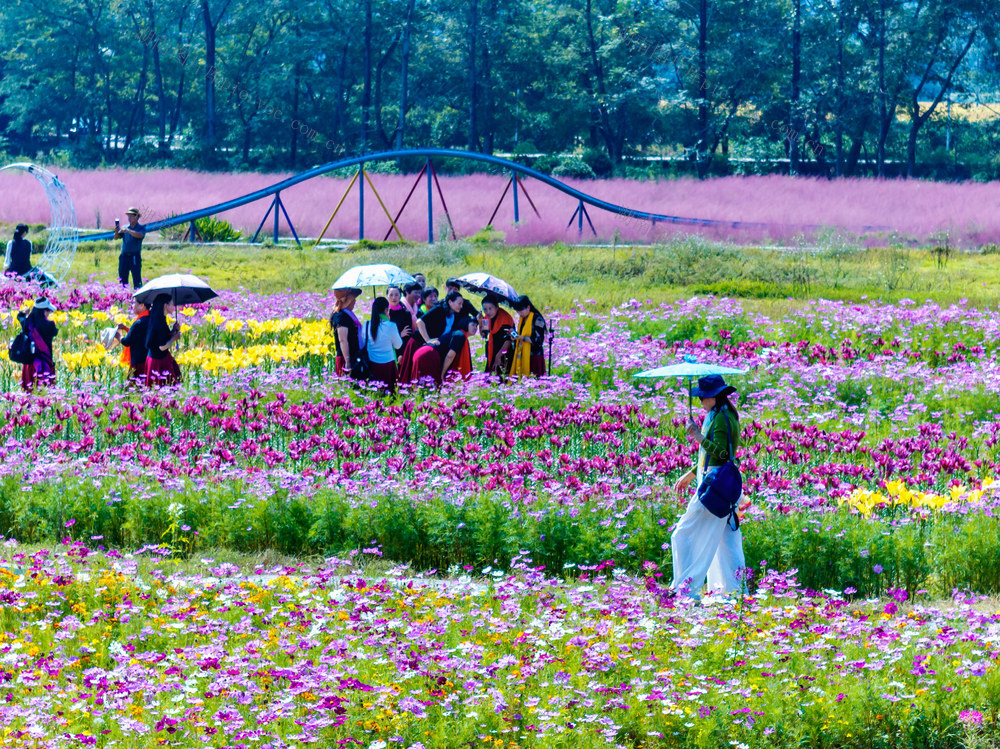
[701, 545]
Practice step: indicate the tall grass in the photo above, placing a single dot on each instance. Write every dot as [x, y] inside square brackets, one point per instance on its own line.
[916, 211]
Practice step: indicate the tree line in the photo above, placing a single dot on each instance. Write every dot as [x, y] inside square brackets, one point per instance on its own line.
[826, 84]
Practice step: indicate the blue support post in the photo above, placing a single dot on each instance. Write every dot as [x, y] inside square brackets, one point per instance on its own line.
[277, 205]
[430, 206]
[579, 219]
[361, 202]
[517, 216]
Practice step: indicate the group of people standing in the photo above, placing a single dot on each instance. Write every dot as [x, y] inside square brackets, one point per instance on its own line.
[145, 344]
[412, 335]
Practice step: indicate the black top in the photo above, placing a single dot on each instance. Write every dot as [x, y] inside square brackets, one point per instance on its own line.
[20, 256]
[537, 334]
[46, 328]
[401, 317]
[469, 309]
[343, 320]
[436, 318]
[452, 341]
[157, 333]
[136, 342]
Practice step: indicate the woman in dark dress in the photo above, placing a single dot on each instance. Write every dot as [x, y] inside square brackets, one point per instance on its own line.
[41, 331]
[346, 326]
[529, 340]
[161, 369]
[497, 325]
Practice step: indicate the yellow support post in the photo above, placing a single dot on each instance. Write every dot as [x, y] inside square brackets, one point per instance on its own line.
[334, 214]
[384, 209]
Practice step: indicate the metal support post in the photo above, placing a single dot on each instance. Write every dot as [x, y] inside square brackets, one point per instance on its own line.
[361, 204]
[514, 183]
[430, 204]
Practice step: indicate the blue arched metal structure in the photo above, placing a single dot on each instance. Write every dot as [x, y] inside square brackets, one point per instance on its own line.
[274, 192]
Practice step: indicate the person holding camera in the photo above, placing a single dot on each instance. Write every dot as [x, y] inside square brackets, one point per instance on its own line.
[497, 327]
[130, 259]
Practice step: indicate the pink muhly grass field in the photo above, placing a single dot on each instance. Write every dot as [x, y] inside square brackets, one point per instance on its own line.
[777, 208]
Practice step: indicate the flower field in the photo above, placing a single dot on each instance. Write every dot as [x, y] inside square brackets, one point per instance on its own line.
[871, 457]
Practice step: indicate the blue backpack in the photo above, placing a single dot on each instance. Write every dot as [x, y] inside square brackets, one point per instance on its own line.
[722, 486]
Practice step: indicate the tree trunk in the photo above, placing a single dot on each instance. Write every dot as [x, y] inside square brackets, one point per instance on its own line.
[161, 98]
[294, 150]
[795, 124]
[918, 119]
[473, 77]
[383, 60]
[883, 107]
[366, 91]
[206, 14]
[839, 125]
[700, 146]
[604, 121]
[404, 73]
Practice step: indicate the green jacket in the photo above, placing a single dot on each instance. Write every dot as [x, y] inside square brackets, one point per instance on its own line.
[716, 442]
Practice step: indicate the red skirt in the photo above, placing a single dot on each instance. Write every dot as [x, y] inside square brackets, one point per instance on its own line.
[406, 360]
[386, 374]
[162, 372]
[339, 365]
[38, 371]
[426, 363]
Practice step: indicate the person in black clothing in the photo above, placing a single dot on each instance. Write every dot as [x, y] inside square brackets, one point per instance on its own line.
[130, 259]
[18, 258]
[529, 338]
[346, 328]
[135, 340]
[468, 308]
[161, 369]
[428, 298]
[41, 331]
[449, 351]
[441, 318]
[398, 313]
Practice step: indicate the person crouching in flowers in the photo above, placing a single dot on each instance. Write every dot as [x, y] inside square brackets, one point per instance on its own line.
[703, 544]
[346, 327]
[161, 369]
[529, 354]
[497, 325]
[382, 339]
[41, 331]
[445, 353]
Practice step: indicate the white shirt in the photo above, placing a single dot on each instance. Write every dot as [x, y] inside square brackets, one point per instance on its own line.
[382, 350]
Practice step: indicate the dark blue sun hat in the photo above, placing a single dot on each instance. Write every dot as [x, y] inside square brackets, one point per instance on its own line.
[711, 386]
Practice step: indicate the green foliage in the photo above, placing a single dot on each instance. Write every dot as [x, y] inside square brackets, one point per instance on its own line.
[212, 229]
[574, 168]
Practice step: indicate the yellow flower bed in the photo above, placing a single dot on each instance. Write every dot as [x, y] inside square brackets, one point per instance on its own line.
[897, 494]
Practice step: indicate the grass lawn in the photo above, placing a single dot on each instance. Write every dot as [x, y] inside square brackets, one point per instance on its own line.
[556, 275]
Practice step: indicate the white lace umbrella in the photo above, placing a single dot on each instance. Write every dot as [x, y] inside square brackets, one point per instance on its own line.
[377, 274]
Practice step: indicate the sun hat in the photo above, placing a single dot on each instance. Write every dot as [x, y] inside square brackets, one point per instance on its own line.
[133, 210]
[44, 304]
[711, 386]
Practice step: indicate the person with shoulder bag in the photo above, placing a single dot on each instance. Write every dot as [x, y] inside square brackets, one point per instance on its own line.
[381, 341]
[39, 332]
[707, 540]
